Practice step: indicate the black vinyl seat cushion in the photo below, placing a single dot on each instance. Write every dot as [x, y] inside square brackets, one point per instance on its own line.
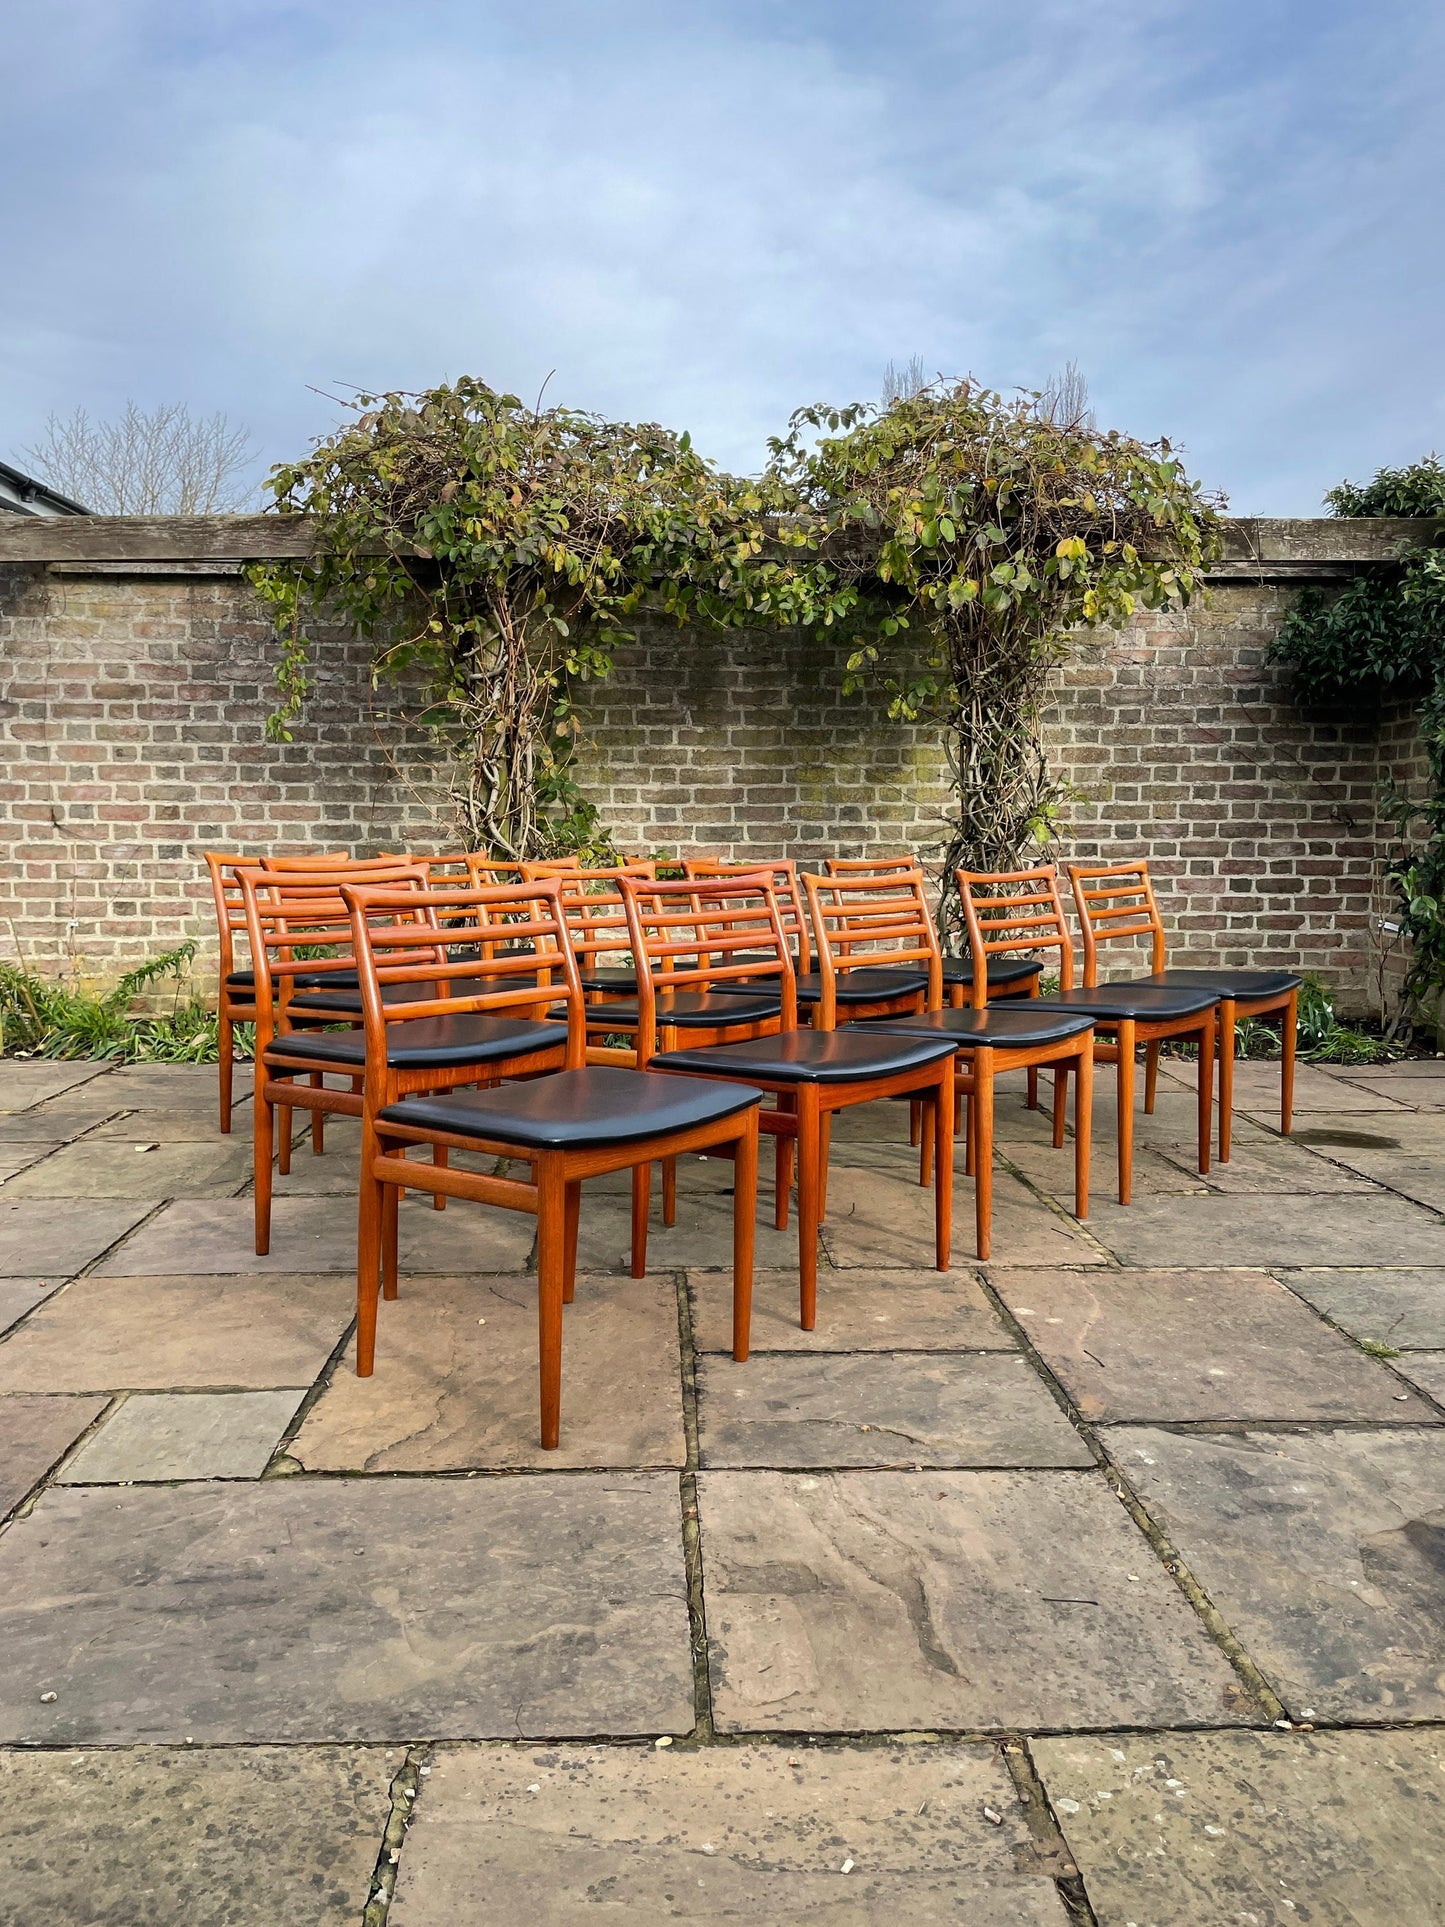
[347, 1002]
[575, 1110]
[812, 1056]
[614, 982]
[1247, 986]
[1020, 1026]
[1144, 1002]
[691, 1010]
[861, 986]
[1003, 972]
[331, 979]
[418, 1043]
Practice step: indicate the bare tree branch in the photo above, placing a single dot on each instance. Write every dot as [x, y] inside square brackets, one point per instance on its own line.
[161, 461]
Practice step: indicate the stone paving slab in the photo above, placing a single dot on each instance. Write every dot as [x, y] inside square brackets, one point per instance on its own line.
[346, 1609]
[1427, 1370]
[162, 1334]
[178, 1124]
[868, 1311]
[1409, 1159]
[1322, 1550]
[192, 1838]
[889, 1601]
[1403, 1308]
[702, 1238]
[174, 1435]
[1262, 1162]
[26, 1082]
[202, 1235]
[1316, 1088]
[754, 1833]
[1217, 1829]
[138, 1167]
[455, 1384]
[884, 1218]
[1155, 1176]
[1197, 1345]
[1416, 1082]
[70, 1115]
[20, 1295]
[34, 1434]
[881, 1408]
[20, 1153]
[1229, 1231]
[34, 1234]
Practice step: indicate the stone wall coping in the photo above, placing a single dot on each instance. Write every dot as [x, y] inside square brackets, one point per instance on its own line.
[1260, 547]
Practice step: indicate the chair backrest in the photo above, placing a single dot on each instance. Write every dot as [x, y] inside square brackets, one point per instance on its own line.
[291, 916]
[869, 866]
[335, 861]
[383, 941]
[729, 931]
[1116, 903]
[230, 905]
[487, 872]
[871, 923]
[592, 904]
[783, 874]
[1013, 910]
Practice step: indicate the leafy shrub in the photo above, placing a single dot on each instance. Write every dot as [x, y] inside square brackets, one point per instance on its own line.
[40, 1017]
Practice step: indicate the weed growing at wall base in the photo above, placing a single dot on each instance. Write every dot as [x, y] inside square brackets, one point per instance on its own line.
[42, 1018]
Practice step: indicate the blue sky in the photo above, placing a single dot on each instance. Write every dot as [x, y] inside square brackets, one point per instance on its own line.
[707, 214]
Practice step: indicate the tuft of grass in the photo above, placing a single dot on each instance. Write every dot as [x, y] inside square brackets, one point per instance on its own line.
[1377, 1348]
[40, 1017]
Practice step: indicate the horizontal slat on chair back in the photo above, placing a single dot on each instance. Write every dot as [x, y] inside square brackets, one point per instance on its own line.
[783, 874]
[872, 923]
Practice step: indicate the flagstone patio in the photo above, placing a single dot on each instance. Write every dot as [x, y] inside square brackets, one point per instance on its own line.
[1102, 1583]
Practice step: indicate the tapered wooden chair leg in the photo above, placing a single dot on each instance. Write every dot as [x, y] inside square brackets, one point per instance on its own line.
[1226, 1076]
[970, 1135]
[283, 1139]
[263, 1141]
[1083, 1128]
[745, 1213]
[809, 1175]
[943, 1174]
[641, 1206]
[1061, 1103]
[1033, 1100]
[226, 1068]
[1125, 1040]
[925, 1146]
[390, 1209]
[573, 1202]
[551, 1271]
[669, 1191]
[825, 1147]
[439, 1156]
[368, 1259]
[915, 1123]
[784, 1159]
[983, 1152]
[1286, 1064]
[1206, 1090]
[318, 1119]
[1151, 1075]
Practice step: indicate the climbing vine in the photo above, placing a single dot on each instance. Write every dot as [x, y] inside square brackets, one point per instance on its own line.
[1383, 637]
[972, 537]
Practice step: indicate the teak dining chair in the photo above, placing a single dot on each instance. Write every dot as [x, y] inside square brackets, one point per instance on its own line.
[1021, 910]
[1116, 902]
[578, 1122]
[597, 924]
[813, 1072]
[988, 1038]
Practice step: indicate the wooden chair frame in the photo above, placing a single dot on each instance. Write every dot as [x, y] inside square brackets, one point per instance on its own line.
[553, 1193]
[1116, 902]
[1022, 910]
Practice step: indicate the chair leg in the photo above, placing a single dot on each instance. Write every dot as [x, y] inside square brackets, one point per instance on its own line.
[368, 1257]
[318, 1119]
[1125, 1040]
[1286, 1066]
[825, 1147]
[226, 1067]
[439, 1155]
[1206, 1090]
[573, 1219]
[745, 1213]
[782, 1180]
[1151, 1075]
[1061, 1103]
[915, 1126]
[551, 1289]
[809, 1157]
[983, 1152]
[390, 1203]
[970, 1136]
[1033, 1102]
[641, 1205]
[283, 1139]
[669, 1191]
[925, 1146]
[1083, 1127]
[263, 1142]
[1225, 1016]
[943, 1174]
